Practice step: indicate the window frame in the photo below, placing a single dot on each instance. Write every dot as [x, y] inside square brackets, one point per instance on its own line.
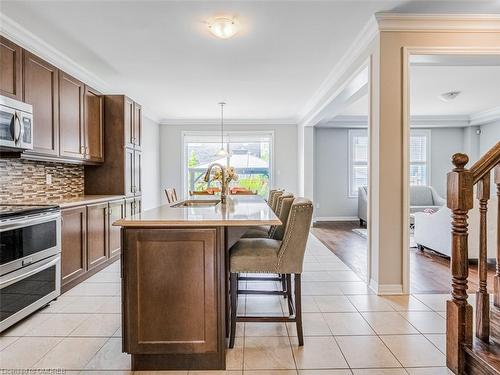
[427, 134]
[351, 134]
[227, 135]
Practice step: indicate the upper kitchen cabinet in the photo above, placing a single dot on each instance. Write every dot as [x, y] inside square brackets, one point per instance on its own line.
[94, 126]
[121, 171]
[41, 90]
[137, 126]
[132, 123]
[10, 73]
[72, 132]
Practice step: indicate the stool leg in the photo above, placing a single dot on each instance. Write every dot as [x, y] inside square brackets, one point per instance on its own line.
[289, 293]
[298, 309]
[233, 288]
[283, 283]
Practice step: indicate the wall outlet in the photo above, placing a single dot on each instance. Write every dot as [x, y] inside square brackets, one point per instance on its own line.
[48, 179]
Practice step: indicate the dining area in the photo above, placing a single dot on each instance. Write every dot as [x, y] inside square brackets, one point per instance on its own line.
[184, 265]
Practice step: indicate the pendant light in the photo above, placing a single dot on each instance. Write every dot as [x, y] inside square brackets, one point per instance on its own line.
[222, 151]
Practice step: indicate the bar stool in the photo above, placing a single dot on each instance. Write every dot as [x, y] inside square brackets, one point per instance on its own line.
[171, 195]
[264, 231]
[267, 255]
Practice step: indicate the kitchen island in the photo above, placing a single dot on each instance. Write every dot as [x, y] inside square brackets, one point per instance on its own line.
[174, 280]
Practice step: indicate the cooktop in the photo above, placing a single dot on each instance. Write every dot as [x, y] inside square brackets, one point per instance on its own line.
[12, 210]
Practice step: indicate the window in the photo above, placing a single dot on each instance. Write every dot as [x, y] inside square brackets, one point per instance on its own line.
[419, 157]
[358, 160]
[249, 153]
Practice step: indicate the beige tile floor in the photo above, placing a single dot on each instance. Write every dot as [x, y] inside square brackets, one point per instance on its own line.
[348, 329]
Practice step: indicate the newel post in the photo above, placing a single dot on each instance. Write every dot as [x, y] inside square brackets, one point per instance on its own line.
[496, 280]
[458, 311]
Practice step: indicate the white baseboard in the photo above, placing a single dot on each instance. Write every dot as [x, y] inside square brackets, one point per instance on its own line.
[336, 218]
[386, 289]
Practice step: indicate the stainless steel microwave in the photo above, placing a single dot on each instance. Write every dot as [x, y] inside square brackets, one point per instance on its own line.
[16, 125]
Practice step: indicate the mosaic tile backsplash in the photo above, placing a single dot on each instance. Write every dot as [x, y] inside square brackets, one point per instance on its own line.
[23, 180]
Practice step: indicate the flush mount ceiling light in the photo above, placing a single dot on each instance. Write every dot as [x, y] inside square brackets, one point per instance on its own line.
[449, 96]
[224, 27]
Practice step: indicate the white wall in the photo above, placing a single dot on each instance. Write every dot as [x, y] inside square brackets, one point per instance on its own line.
[331, 171]
[285, 153]
[490, 135]
[332, 175]
[151, 187]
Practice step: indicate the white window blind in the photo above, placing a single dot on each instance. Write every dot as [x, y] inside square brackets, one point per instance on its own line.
[358, 160]
[419, 157]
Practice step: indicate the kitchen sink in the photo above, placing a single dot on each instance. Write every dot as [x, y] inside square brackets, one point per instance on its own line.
[197, 203]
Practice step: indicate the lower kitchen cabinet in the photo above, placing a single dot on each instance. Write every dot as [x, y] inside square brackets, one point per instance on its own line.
[89, 240]
[133, 206]
[73, 243]
[97, 227]
[116, 212]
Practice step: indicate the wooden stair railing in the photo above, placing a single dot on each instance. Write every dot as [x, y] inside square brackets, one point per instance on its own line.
[459, 320]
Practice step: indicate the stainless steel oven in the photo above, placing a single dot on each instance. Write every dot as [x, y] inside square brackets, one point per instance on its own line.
[16, 125]
[30, 260]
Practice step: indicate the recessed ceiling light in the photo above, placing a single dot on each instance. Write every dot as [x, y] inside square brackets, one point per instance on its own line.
[449, 96]
[224, 27]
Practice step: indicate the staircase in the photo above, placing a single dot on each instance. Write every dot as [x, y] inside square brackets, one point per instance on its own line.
[473, 349]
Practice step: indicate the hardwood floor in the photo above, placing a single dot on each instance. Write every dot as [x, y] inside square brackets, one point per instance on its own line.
[429, 272]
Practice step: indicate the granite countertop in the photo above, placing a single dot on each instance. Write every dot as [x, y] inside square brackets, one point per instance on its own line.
[239, 210]
[82, 200]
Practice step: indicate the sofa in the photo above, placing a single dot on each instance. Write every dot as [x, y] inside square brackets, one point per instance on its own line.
[421, 198]
[433, 230]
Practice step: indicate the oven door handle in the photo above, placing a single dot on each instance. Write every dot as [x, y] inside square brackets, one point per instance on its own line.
[12, 280]
[14, 224]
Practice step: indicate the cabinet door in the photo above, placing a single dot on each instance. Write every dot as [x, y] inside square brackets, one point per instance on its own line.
[94, 131]
[137, 138]
[41, 90]
[116, 212]
[97, 226]
[128, 122]
[137, 205]
[129, 207]
[73, 243]
[129, 171]
[71, 131]
[137, 172]
[10, 69]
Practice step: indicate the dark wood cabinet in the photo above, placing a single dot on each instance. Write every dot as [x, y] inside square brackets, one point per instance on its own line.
[121, 172]
[128, 120]
[71, 125]
[137, 170]
[137, 126]
[97, 226]
[73, 243]
[41, 90]
[116, 212]
[11, 69]
[94, 132]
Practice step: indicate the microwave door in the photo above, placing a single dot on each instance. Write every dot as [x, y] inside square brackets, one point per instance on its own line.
[9, 127]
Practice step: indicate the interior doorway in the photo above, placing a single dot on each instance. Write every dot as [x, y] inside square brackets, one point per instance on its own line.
[452, 107]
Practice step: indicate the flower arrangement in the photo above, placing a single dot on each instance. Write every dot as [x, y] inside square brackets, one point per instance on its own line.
[229, 173]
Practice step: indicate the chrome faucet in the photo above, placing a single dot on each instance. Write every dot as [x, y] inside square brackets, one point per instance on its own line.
[224, 183]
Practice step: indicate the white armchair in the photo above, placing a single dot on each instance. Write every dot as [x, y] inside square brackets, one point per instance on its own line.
[433, 230]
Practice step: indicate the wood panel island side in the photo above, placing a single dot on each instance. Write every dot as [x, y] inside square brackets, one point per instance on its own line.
[174, 280]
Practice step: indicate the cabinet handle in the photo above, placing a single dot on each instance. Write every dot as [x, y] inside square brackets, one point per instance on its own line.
[82, 150]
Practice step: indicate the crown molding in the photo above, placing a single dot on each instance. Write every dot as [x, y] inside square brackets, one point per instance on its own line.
[438, 22]
[327, 89]
[485, 117]
[421, 121]
[236, 122]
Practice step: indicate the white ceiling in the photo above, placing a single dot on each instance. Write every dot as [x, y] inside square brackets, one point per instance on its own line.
[479, 86]
[161, 53]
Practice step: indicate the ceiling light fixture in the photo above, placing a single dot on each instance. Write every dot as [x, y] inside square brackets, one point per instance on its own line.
[449, 96]
[222, 151]
[224, 27]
